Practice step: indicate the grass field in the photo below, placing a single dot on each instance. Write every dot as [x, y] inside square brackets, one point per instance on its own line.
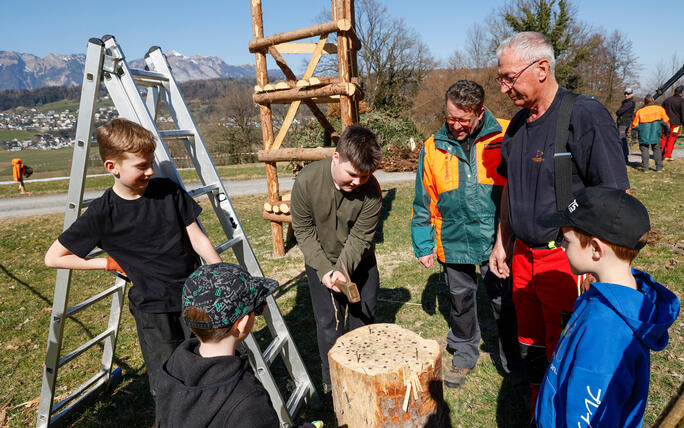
[410, 296]
[11, 134]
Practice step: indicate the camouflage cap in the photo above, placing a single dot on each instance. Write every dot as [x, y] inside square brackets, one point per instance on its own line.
[226, 292]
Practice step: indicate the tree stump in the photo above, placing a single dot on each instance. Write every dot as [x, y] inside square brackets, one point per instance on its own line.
[386, 376]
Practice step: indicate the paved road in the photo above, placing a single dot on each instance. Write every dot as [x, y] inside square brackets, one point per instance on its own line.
[38, 205]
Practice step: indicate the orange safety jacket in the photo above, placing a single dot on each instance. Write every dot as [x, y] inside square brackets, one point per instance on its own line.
[456, 202]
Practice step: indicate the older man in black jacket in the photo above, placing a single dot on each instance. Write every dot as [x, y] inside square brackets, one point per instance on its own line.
[625, 115]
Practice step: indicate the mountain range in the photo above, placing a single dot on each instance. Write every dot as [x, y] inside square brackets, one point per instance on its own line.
[25, 71]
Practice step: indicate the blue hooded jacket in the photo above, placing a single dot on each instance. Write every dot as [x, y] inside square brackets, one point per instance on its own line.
[600, 370]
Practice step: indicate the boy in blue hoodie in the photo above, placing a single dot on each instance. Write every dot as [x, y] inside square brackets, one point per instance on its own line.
[599, 373]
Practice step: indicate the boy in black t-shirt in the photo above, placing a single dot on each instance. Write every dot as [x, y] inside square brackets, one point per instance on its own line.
[149, 226]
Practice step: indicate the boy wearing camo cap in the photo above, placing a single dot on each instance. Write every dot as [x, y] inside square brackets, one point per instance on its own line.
[206, 382]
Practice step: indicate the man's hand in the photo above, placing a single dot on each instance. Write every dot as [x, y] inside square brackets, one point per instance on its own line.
[427, 260]
[586, 283]
[498, 261]
[330, 278]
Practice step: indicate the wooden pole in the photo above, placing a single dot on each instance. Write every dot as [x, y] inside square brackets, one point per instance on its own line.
[348, 108]
[267, 127]
[262, 42]
[347, 89]
[307, 154]
[386, 376]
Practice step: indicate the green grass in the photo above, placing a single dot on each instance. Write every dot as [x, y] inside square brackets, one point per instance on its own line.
[409, 296]
[11, 134]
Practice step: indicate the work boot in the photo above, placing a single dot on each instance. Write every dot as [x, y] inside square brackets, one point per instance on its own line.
[455, 376]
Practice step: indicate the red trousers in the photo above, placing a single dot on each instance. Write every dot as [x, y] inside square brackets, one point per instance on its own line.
[543, 288]
[667, 141]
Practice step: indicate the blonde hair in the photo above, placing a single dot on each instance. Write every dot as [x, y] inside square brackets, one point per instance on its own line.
[120, 136]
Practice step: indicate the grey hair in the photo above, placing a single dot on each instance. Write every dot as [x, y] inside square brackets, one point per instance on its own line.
[529, 46]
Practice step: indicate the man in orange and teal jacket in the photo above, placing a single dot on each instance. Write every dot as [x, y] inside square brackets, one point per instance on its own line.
[650, 124]
[456, 207]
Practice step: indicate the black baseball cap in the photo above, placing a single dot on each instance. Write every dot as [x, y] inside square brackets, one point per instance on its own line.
[609, 214]
[226, 292]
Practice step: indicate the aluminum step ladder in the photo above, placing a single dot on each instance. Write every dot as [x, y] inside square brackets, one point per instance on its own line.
[105, 63]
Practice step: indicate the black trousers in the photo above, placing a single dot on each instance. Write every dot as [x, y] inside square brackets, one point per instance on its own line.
[328, 328]
[159, 335]
[463, 337]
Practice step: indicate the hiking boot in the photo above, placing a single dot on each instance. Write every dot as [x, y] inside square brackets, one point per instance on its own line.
[455, 376]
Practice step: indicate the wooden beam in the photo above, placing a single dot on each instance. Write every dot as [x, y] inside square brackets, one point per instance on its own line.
[292, 111]
[280, 218]
[304, 48]
[287, 96]
[302, 33]
[322, 119]
[297, 153]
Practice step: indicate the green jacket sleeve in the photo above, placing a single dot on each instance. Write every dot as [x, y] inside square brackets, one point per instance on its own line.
[422, 231]
[305, 230]
[362, 234]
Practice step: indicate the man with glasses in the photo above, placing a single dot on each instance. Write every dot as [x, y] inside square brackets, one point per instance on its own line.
[544, 289]
[456, 204]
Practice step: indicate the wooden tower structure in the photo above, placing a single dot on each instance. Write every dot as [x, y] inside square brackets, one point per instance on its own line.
[309, 90]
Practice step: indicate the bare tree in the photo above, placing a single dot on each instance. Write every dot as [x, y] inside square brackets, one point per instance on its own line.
[477, 47]
[392, 60]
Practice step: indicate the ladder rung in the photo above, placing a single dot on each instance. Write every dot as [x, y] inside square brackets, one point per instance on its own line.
[81, 349]
[87, 202]
[202, 190]
[297, 398]
[228, 244]
[273, 349]
[78, 391]
[148, 78]
[177, 134]
[84, 304]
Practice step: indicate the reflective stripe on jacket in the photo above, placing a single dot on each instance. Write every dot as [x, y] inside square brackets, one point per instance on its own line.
[456, 200]
[651, 122]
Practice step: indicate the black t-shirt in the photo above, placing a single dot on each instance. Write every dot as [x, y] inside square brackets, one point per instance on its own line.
[147, 237]
[527, 161]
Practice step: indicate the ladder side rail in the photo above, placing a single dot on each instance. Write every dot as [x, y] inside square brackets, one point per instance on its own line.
[262, 371]
[289, 352]
[84, 128]
[152, 101]
[114, 322]
[203, 164]
[135, 108]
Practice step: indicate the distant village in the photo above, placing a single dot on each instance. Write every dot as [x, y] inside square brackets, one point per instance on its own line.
[47, 127]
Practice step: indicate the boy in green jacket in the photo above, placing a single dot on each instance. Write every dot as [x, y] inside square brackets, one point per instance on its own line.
[335, 206]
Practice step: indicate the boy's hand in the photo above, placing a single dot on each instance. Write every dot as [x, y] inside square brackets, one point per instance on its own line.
[113, 266]
[330, 278]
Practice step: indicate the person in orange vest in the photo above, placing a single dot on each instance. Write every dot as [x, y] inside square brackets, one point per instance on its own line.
[650, 124]
[18, 172]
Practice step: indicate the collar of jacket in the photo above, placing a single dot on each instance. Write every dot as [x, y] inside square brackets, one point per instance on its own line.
[444, 140]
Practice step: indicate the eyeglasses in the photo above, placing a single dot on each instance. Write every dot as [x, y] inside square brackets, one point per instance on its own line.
[510, 81]
[463, 122]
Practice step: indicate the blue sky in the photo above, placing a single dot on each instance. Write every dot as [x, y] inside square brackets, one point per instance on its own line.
[223, 28]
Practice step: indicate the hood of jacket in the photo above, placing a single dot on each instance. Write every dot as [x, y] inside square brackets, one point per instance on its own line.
[195, 388]
[648, 316]
[16, 161]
